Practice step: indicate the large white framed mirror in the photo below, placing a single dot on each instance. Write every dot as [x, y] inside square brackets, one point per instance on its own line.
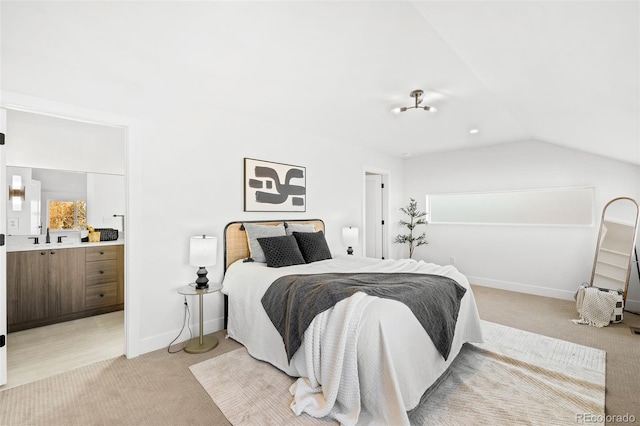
[65, 200]
[615, 248]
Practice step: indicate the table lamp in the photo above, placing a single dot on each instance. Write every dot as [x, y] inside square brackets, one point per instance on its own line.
[350, 238]
[203, 251]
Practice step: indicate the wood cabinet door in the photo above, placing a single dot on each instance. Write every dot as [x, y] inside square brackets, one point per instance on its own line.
[67, 278]
[28, 292]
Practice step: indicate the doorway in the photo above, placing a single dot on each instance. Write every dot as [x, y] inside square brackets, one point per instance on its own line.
[104, 327]
[375, 214]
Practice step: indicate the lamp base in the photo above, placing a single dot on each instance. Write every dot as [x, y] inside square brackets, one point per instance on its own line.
[202, 282]
[194, 346]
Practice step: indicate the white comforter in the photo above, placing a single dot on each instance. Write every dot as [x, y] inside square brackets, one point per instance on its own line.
[396, 359]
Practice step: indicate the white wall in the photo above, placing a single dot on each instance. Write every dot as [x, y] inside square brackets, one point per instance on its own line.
[47, 142]
[105, 197]
[192, 173]
[546, 260]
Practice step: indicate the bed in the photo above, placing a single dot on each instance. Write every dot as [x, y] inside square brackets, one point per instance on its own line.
[367, 359]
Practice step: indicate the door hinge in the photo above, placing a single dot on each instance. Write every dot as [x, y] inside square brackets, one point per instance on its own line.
[1, 240]
[1, 138]
[382, 185]
[3, 341]
[383, 222]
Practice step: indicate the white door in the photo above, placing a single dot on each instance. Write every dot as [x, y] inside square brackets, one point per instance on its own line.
[373, 216]
[3, 252]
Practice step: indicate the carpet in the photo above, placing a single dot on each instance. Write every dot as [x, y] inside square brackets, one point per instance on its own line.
[514, 377]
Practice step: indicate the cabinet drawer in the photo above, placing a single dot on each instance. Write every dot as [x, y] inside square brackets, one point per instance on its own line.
[101, 295]
[101, 272]
[101, 253]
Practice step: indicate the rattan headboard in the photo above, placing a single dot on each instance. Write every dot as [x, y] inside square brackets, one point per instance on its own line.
[235, 237]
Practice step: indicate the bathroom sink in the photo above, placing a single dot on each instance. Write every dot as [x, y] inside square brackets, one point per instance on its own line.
[41, 246]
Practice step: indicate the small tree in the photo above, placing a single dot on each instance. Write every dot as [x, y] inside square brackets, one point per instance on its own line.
[416, 218]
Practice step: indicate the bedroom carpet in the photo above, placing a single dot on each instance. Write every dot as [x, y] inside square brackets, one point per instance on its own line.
[514, 377]
[157, 388]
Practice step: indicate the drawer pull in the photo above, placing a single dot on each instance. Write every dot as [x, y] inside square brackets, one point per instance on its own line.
[101, 252]
[101, 294]
[42, 253]
[102, 272]
[53, 252]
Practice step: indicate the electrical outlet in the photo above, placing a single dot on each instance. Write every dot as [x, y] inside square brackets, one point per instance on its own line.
[452, 260]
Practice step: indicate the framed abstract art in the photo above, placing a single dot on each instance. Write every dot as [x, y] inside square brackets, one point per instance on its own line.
[274, 187]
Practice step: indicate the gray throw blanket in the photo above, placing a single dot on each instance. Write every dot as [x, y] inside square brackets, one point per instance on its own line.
[293, 301]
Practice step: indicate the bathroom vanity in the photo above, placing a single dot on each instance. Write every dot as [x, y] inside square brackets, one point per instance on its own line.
[51, 283]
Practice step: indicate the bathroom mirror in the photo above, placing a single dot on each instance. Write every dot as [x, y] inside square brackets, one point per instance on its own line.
[47, 195]
[77, 198]
[616, 243]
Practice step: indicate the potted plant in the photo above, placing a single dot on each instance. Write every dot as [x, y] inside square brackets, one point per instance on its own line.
[416, 217]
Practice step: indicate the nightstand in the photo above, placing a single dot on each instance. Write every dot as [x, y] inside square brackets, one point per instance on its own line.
[202, 343]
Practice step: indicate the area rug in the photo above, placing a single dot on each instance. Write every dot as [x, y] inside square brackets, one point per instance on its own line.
[514, 377]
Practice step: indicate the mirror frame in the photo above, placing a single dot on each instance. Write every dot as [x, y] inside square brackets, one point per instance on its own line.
[632, 249]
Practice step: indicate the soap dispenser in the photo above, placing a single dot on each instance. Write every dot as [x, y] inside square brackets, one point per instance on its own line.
[48, 239]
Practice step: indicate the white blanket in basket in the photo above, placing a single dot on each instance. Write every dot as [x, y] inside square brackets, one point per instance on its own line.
[594, 306]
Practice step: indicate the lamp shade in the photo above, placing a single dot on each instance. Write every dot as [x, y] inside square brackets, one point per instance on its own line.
[203, 250]
[16, 182]
[350, 236]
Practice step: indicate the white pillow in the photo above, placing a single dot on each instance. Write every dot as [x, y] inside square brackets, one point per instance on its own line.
[255, 231]
[299, 227]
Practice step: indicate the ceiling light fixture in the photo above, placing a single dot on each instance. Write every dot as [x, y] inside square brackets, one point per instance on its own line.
[417, 95]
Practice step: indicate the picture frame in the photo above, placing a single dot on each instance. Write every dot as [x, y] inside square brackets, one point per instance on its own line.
[274, 187]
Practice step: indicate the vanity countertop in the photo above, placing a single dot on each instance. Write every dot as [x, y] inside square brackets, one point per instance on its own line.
[76, 244]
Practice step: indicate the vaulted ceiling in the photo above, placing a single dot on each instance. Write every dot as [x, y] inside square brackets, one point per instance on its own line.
[562, 72]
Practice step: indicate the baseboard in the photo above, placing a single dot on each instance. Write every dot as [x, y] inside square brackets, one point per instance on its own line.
[523, 288]
[150, 344]
[632, 305]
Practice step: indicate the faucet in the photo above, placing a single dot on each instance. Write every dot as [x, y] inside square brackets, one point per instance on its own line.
[35, 240]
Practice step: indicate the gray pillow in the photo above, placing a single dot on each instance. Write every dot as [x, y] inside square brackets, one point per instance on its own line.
[255, 231]
[299, 227]
[313, 246]
[281, 251]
